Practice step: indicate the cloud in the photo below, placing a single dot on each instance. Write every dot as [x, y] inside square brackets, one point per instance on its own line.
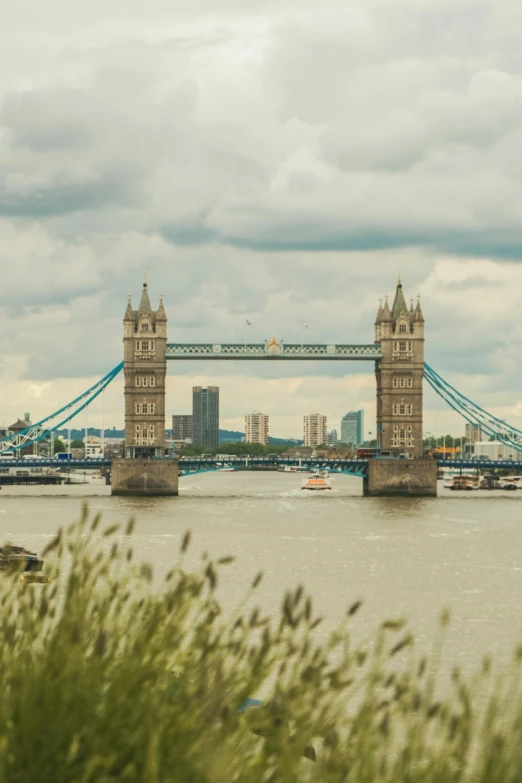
[262, 162]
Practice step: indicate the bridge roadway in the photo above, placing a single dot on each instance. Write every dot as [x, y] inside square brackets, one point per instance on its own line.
[193, 465]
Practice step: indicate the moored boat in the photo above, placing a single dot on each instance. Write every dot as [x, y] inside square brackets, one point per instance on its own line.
[463, 483]
[17, 558]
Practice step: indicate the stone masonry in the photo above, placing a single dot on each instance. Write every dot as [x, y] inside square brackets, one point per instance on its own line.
[400, 375]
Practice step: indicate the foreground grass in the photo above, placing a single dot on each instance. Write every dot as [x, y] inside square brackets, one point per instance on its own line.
[104, 678]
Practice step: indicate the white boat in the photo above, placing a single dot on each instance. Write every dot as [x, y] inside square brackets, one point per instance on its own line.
[450, 473]
[317, 481]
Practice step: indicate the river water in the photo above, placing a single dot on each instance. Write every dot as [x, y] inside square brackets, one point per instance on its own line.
[403, 557]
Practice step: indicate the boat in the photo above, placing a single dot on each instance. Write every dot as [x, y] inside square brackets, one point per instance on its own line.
[16, 558]
[448, 474]
[465, 483]
[317, 481]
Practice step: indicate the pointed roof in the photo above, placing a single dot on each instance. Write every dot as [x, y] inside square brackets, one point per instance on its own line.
[418, 317]
[145, 308]
[379, 313]
[161, 315]
[399, 305]
[129, 312]
[386, 313]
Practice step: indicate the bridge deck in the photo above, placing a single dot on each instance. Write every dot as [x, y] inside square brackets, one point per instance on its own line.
[272, 350]
[188, 465]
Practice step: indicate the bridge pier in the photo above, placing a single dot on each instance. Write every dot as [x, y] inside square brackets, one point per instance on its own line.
[401, 478]
[145, 477]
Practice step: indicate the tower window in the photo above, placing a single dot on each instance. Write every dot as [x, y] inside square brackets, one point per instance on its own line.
[145, 327]
[402, 327]
[410, 383]
[145, 381]
[402, 346]
[138, 380]
[152, 381]
[395, 383]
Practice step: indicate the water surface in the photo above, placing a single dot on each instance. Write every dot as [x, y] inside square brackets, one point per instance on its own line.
[403, 557]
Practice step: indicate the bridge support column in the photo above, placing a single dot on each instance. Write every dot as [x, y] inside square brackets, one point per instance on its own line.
[145, 477]
[401, 478]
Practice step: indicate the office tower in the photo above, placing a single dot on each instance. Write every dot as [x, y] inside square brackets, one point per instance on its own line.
[474, 433]
[315, 429]
[182, 428]
[352, 428]
[256, 428]
[205, 413]
[332, 438]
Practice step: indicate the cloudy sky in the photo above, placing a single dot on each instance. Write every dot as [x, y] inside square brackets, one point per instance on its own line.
[275, 161]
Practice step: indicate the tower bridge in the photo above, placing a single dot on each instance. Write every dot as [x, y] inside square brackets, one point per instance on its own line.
[398, 356]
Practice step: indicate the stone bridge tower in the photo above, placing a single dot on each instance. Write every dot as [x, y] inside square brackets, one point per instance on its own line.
[144, 470]
[400, 375]
[145, 367]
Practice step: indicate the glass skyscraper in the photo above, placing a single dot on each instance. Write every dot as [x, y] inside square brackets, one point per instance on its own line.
[205, 416]
[352, 428]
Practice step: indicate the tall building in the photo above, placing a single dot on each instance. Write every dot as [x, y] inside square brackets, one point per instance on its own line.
[205, 415]
[256, 428]
[182, 428]
[315, 429]
[352, 428]
[332, 438]
[400, 374]
[144, 344]
[474, 433]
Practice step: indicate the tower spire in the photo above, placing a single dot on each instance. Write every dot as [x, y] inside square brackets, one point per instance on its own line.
[145, 306]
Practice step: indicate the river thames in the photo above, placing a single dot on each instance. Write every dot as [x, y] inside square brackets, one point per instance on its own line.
[403, 557]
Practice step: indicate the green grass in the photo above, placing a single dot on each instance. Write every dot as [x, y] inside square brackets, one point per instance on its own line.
[104, 677]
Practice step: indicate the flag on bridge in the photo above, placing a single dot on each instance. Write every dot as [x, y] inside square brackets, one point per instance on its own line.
[248, 322]
[305, 325]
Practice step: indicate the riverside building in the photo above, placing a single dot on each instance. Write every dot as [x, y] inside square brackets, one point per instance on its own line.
[474, 433]
[182, 428]
[256, 428]
[352, 428]
[205, 413]
[315, 429]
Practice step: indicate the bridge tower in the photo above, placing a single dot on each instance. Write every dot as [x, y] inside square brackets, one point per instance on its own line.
[145, 368]
[141, 472]
[400, 375]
